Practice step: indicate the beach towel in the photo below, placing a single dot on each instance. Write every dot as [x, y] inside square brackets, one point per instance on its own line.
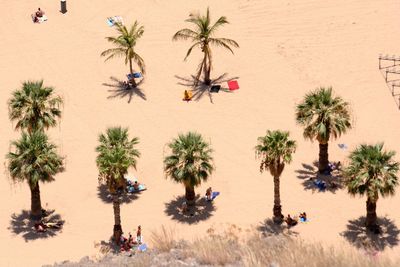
[134, 75]
[304, 220]
[110, 22]
[233, 85]
[215, 88]
[116, 19]
[214, 195]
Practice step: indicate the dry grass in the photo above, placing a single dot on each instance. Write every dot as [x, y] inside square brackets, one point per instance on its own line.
[163, 240]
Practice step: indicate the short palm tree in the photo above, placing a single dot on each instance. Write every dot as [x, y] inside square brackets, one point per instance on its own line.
[34, 160]
[116, 153]
[371, 172]
[203, 37]
[34, 106]
[323, 116]
[125, 46]
[275, 150]
[189, 163]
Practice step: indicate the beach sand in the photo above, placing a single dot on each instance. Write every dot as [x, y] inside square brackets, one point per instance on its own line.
[287, 48]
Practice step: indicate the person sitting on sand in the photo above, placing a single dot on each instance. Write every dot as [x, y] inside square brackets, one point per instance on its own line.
[39, 13]
[40, 227]
[184, 207]
[303, 216]
[187, 95]
[209, 194]
[290, 221]
[136, 185]
[139, 234]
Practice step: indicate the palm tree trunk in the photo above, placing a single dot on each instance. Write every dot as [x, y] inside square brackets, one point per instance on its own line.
[132, 81]
[323, 157]
[190, 195]
[117, 219]
[277, 210]
[207, 68]
[36, 204]
[371, 220]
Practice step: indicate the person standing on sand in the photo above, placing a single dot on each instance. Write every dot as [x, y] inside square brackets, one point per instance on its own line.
[139, 234]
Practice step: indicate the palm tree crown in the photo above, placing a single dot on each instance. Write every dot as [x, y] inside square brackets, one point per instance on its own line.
[323, 115]
[203, 36]
[275, 149]
[34, 159]
[125, 45]
[34, 107]
[371, 171]
[190, 162]
[116, 153]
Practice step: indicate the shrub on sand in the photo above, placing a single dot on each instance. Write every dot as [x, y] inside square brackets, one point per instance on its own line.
[163, 240]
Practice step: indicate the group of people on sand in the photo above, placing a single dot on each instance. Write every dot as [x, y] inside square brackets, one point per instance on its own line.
[127, 244]
[36, 17]
[293, 221]
[41, 226]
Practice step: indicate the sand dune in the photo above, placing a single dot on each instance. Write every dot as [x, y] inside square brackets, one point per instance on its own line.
[286, 49]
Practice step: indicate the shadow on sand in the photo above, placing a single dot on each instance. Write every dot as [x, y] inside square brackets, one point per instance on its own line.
[21, 224]
[200, 212]
[121, 91]
[125, 198]
[200, 89]
[269, 228]
[357, 234]
[309, 172]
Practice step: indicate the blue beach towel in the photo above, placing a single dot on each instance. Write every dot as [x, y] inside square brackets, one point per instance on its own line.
[304, 220]
[131, 189]
[110, 22]
[320, 184]
[342, 146]
[214, 195]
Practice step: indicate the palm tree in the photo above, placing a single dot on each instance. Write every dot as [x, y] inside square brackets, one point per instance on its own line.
[34, 160]
[202, 36]
[275, 150]
[189, 163]
[323, 116]
[371, 172]
[116, 153]
[34, 107]
[125, 46]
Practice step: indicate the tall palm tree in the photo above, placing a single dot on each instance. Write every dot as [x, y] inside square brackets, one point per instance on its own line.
[189, 163]
[34, 160]
[34, 107]
[116, 153]
[125, 46]
[203, 37]
[371, 172]
[275, 150]
[323, 116]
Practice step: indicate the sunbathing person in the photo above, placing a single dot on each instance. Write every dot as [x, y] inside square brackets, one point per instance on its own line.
[56, 225]
[187, 95]
[184, 207]
[39, 13]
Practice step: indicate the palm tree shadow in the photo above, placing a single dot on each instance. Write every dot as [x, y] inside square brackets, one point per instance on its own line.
[358, 235]
[200, 212]
[121, 91]
[308, 173]
[199, 88]
[21, 224]
[105, 196]
[269, 228]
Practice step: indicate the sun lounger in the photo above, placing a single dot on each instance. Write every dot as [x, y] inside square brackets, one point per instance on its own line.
[233, 85]
[215, 88]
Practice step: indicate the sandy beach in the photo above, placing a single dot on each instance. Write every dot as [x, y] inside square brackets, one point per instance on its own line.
[287, 48]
